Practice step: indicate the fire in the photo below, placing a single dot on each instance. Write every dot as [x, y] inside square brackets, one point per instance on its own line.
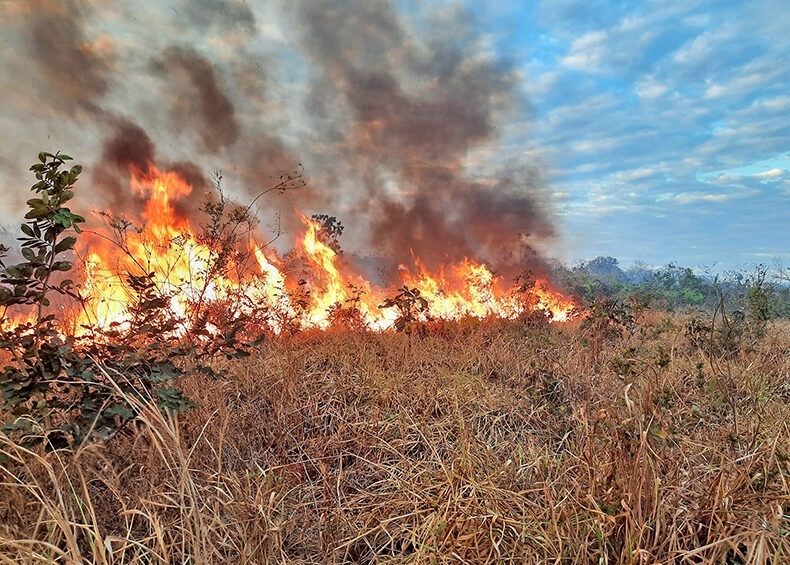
[167, 255]
[165, 258]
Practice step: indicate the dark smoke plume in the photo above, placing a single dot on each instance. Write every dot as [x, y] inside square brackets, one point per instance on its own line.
[201, 102]
[129, 150]
[128, 147]
[421, 135]
[78, 72]
[383, 109]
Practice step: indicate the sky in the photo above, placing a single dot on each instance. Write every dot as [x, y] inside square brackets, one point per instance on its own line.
[511, 132]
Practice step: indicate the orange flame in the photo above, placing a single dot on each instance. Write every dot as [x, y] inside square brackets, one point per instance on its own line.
[167, 253]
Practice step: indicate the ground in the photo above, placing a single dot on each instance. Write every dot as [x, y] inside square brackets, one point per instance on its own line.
[469, 442]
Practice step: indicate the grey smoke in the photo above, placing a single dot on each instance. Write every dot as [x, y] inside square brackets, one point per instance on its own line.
[382, 109]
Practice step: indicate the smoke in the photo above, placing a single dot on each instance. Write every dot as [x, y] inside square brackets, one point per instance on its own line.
[202, 103]
[229, 15]
[77, 70]
[382, 107]
[130, 151]
[417, 109]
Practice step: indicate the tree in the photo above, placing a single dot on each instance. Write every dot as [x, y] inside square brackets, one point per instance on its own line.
[606, 268]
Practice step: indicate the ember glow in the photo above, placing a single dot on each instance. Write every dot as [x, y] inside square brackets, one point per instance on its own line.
[167, 255]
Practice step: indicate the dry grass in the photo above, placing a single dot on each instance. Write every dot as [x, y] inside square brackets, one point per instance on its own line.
[483, 442]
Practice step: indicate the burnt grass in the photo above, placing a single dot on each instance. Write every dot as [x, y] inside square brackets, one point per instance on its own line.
[469, 442]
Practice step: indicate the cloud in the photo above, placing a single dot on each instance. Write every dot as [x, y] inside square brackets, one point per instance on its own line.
[651, 88]
[632, 175]
[776, 103]
[595, 146]
[588, 52]
[770, 176]
[641, 98]
[747, 176]
[692, 197]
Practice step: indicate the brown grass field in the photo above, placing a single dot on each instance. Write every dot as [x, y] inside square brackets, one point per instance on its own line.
[480, 442]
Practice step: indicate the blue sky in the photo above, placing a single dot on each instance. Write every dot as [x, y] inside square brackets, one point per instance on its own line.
[663, 125]
[653, 131]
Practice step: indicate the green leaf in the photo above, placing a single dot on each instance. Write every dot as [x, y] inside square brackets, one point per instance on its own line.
[64, 180]
[28, 254]
[170, 398]
[61, 266]
[37, 212]
[65, 244]
[62, 219]
[27, 230]
[15, 272]
[121, 410]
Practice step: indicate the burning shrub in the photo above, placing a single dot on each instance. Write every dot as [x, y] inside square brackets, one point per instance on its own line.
[347, 315]
[58, 388]
[412, 309]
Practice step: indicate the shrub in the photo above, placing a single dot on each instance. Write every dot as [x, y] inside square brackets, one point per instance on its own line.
[57, 388]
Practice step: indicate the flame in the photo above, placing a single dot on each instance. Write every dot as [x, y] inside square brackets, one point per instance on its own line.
[308, 288]
[168, 254]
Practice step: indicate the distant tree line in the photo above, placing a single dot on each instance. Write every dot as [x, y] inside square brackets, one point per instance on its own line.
[762, 293]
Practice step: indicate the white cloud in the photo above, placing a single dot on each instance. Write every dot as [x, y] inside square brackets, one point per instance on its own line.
[775, 104]
[710, 197]
[743, 177]
[540, 84]
[587, 52]
[594, 145]
[634, 174]
[594, 167]
[651, 88]
[695, 51]
[772, 175]
[715, 91]
[740, 82]
[725, 179]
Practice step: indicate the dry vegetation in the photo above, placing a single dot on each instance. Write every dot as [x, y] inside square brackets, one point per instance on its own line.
[480, 442]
